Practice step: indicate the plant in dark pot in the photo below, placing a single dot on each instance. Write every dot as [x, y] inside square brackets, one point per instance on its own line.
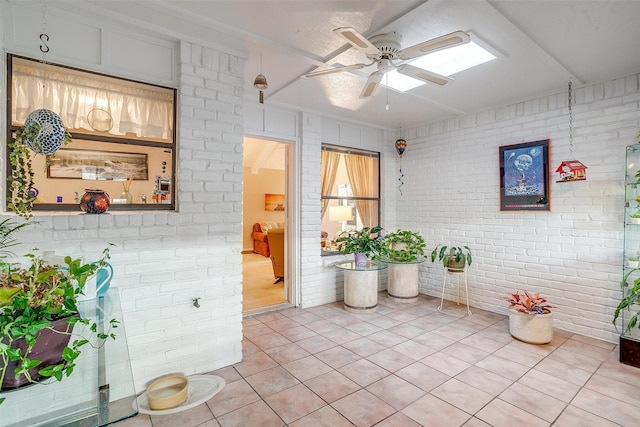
[454, 258]
[39, 306]
[628, 311]
[405, 251]
[530, 318]
[365, 244]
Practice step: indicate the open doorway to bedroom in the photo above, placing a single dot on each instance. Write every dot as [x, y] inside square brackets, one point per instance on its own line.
[264, 284]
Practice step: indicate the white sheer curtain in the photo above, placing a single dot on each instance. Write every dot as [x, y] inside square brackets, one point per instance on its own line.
[359, 169]
[144, 111]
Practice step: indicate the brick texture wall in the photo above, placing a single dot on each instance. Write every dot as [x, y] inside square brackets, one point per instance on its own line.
[573, 254]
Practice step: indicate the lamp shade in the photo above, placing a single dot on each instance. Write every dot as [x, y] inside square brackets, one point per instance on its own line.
[340, 213]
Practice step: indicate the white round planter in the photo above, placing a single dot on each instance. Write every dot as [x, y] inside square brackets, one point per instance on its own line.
[402, 284]
[634, 264]
[531, 328]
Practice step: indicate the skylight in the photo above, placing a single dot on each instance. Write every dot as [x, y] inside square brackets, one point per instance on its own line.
[445, 62]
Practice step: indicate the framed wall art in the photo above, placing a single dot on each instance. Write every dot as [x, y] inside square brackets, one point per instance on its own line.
[98, 165]
[524, 177]
[274, 202]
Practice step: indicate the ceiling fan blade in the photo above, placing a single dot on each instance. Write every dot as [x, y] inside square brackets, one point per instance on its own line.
[334, 70]
[424, 75]
[357, 40]
[443, 42]
[372, 84]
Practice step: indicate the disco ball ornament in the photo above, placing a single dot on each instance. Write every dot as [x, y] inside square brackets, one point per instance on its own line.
[51, 134]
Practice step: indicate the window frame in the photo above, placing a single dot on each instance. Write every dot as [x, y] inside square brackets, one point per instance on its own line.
[351, 199]
[78, 134]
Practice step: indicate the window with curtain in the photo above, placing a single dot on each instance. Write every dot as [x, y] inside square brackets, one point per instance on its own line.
[123, 136]
[350, 186]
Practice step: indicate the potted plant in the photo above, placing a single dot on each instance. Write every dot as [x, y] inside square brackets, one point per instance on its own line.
[633, 262]
[38, 304]
[630, 305]
[404, 252]
[530, 318]
[21, 191]
[366, 243]
[454, 258]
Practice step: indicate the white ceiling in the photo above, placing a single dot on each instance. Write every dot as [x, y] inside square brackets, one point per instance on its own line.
[542, 44]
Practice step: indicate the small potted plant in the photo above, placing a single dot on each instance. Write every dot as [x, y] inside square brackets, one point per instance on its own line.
[454, 258]
[530, 318]
[633, 262]
[405, 251]
[39, 304]
[365, 244]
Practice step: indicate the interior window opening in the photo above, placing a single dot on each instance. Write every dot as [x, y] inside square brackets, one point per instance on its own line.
[123, 136]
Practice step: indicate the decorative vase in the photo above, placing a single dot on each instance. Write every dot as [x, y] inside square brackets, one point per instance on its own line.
[531, 328]
[126, 195]
[94, 201]
[51, 134]
[48, 349]
[360, 259]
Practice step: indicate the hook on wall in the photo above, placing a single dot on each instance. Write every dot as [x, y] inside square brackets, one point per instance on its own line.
[196, 302]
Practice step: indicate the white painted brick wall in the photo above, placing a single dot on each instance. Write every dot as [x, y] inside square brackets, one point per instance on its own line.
[164, 259]
[573, 254]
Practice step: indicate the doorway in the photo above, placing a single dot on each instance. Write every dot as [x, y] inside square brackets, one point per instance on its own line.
[265, 286]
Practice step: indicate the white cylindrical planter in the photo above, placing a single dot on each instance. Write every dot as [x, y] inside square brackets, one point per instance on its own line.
[531, 328]
[360, 291]
[402, 285]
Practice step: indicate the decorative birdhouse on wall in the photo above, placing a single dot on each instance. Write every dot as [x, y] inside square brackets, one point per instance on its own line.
[572, 170]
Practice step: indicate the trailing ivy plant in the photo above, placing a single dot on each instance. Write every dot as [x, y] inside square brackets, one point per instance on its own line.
[413, 247]
[21, 195]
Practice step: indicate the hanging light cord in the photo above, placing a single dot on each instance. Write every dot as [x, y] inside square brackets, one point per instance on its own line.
[570, 120]
[44, 48]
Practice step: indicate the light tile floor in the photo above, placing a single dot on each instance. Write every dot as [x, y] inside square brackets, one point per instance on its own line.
[412, 365]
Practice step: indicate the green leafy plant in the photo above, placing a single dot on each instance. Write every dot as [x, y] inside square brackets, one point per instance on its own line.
[31, 299]
[461, 254]
[629, 300]
[7, 228]
[405, 246]
[20, 194]
[368, 241]
[528, 302]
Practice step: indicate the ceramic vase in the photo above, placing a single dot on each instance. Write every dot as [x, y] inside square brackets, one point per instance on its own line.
[94, 201]
[360, 259]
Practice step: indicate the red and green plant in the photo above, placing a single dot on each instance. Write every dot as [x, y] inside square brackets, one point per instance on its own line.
[528, 302]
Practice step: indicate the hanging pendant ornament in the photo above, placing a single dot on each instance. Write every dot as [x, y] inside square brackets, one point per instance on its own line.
[571, 170]
[51, 131]
[47, 126]
[401, 145]
[260, 83]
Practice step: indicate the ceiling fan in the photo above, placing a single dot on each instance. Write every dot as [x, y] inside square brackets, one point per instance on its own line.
[384, 49]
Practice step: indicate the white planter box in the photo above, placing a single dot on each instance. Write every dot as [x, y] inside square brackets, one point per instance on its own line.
[531, 328]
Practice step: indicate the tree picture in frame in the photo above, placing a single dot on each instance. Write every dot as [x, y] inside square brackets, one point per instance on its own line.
[524, 177]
